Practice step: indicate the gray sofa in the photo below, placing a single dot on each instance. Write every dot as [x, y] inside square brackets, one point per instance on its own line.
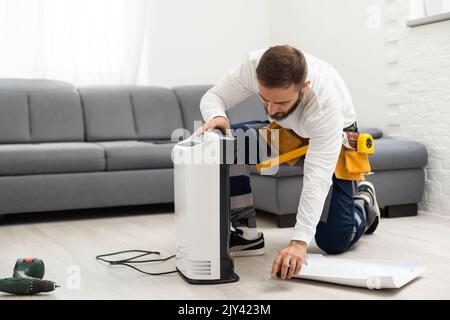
[65, 148]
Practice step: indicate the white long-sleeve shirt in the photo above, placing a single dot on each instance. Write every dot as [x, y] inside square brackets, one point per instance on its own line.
[324, 110]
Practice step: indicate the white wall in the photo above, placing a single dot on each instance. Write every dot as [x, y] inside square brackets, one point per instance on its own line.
[418, 99]
[345, 34]
[399, 77]
[198, 41]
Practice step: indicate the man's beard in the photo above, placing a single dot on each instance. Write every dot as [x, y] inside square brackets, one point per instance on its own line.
[283, 115]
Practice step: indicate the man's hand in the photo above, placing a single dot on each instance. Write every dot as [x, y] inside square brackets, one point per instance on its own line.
[289, 260]
[219, 122]
[352, 138]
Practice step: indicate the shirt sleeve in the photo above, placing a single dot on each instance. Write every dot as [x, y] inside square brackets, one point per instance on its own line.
[320, 163]
[234, 88]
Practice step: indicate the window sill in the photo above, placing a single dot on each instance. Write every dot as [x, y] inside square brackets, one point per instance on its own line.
[427, 20]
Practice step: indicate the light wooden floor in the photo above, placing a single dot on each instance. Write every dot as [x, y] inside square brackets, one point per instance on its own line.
[62, 241]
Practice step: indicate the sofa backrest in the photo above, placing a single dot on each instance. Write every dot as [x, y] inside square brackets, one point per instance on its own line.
[128, 113]
[189, 99]
[39, 111]
[375, 132]
[50, 111]
[249, 109]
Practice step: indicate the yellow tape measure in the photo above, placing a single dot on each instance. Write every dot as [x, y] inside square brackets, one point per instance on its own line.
[364, 144]
[282, 159]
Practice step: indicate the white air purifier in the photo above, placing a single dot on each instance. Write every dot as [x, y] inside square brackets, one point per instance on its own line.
[202, 210]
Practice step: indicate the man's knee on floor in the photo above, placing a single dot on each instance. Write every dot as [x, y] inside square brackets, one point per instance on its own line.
[332, 242]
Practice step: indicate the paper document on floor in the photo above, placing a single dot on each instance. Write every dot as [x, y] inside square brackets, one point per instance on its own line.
[365, 273]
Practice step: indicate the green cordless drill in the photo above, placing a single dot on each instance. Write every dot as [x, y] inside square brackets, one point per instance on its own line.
[27, 278]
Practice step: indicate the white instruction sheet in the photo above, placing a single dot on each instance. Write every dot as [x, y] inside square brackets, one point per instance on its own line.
[370, 273]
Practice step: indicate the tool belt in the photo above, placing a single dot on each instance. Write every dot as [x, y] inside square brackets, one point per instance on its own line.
[290, 147]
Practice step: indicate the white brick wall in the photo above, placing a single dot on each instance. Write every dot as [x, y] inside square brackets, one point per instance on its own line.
[418, 97]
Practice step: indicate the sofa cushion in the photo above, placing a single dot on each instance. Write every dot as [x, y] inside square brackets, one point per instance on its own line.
[189, 99]
[136, 155]
[56, 116]
[397, 154]
[248, 110]
[108, 114]
[46, 158]
[129, 113]
[156, 111]
[33, 85]
[284, 170]
[14, 117]
[39, 111]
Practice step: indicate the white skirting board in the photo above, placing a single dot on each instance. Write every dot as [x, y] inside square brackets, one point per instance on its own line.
[370, 273]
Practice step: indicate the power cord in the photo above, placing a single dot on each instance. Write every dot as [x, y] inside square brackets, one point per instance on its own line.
[129, 261]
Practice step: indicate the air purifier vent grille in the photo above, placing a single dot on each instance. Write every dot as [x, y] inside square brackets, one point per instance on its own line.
[201, 267]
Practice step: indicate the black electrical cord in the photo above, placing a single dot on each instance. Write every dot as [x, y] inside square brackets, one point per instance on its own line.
[127, 262]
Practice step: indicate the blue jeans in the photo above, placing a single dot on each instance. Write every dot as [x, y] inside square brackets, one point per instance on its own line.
[343, 220]
[242, 210]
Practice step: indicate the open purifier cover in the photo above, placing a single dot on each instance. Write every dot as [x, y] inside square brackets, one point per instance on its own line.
[368, 273]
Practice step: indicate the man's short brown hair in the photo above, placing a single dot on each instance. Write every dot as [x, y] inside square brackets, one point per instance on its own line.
[282, 66]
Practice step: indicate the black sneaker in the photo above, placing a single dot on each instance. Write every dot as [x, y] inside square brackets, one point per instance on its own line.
[240, 247]
[366, 191]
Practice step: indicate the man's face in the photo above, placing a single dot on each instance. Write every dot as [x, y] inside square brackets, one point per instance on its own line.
[279, 103]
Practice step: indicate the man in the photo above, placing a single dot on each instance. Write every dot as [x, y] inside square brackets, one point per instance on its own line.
[308, 96]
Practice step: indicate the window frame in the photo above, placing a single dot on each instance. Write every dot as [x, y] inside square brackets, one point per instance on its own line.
[418, 16]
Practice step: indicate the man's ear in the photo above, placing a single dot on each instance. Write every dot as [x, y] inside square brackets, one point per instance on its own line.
[306, 86]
